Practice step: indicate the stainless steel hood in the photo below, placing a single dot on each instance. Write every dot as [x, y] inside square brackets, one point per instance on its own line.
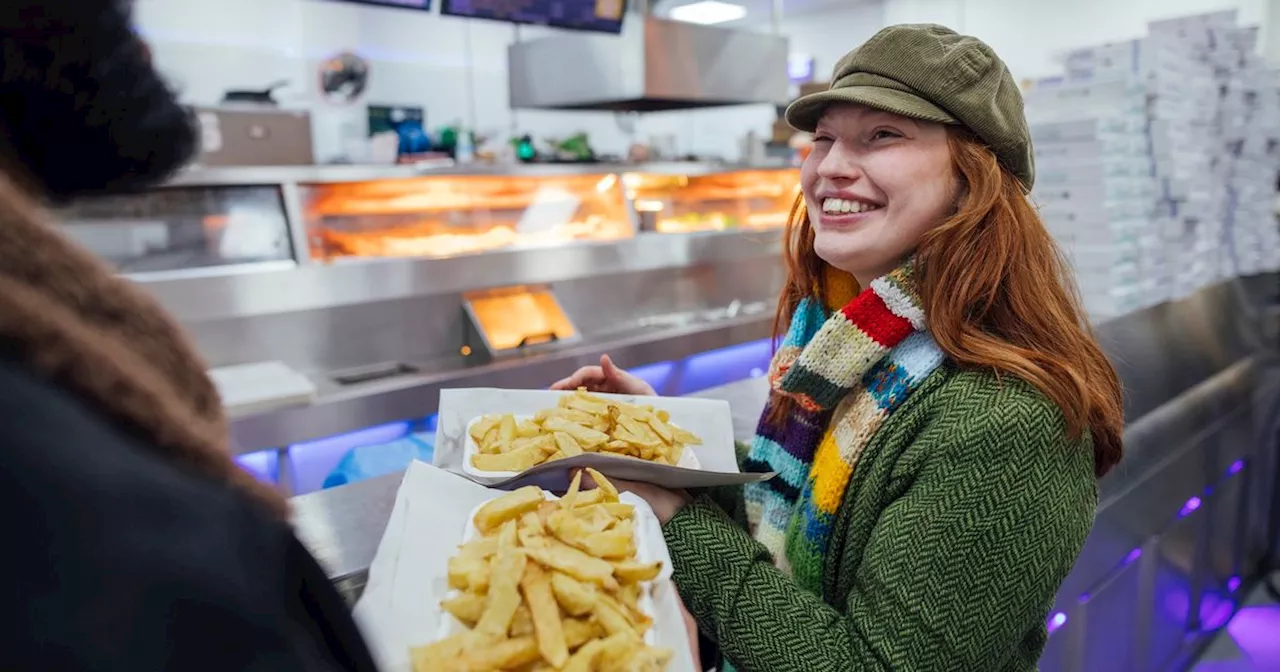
[655, 64]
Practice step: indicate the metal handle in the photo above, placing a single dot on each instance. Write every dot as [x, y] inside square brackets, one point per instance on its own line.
[538, 339]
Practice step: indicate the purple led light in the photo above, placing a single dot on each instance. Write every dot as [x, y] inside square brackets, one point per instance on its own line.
[313, 460]
[722, 366]
[1191, 505]
[656, 375]
[262, 464]
[1133, 556]
[1056, 621]
[1235, 467]
[1233, 583]
[1254, 630]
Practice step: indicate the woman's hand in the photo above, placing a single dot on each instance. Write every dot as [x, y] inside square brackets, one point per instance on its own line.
[665, 503]
[606, 378]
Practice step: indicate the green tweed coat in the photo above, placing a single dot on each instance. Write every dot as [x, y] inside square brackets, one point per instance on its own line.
[963, 516]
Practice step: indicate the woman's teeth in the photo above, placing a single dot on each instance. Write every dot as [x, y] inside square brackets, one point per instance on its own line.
[840, 206]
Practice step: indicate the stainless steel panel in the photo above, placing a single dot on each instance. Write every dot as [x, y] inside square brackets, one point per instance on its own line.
[414, 396]
[655, 64]
[316, 286]
[342, 527]
[272, 175]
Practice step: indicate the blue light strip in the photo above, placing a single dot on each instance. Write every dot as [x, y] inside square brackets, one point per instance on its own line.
[312, 461]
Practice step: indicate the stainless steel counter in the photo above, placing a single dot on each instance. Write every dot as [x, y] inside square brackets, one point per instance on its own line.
[1182, 522]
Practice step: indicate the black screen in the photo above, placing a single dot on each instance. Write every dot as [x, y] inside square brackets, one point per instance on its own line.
[599, 15]
[407, 4]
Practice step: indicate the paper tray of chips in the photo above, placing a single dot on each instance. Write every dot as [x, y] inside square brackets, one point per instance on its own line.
[708, 419]
[399, 610]
[649, 548]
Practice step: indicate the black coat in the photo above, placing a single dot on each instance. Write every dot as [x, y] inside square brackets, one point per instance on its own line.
[118, 560]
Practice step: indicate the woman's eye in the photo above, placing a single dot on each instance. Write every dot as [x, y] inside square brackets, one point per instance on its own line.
[884, 133]
[822, 138]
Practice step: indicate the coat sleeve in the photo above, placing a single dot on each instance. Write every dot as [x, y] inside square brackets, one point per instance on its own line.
[957, 571]
[122, 561]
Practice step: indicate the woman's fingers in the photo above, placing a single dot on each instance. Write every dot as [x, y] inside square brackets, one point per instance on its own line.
[608, 369]
[590, 377]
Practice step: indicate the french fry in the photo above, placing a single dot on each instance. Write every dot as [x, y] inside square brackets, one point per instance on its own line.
[516, 460]
[604, 485]
[575, 597]
[549, 632]
[575, 563]
[508, 507]
[631, 571]
[567, 444]
[504, 595]
[466, 607]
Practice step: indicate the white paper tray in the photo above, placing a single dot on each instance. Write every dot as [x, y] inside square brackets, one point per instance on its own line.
[409, 575]
[709, 419]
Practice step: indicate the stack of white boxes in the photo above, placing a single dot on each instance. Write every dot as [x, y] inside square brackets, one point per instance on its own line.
[1094, 185]
[1250, 126]
[1157, 159]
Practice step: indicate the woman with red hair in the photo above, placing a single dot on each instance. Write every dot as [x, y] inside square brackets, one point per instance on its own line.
[940, 411]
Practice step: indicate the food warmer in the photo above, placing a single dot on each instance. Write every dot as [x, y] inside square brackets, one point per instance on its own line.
[383, 285]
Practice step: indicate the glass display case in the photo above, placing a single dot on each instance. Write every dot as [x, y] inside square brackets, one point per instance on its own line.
[183, 228]
[446, 216]
[750, 199]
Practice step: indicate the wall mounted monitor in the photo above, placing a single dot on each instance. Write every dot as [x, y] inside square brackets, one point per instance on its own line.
[603, 16]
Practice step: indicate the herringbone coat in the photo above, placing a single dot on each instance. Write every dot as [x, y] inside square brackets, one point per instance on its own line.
[962, 518]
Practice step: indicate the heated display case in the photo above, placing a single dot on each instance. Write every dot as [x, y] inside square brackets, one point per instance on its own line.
[447, 216]
[383, 285]
[683, 203]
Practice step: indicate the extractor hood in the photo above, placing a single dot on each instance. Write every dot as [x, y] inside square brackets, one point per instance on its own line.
[655, 64]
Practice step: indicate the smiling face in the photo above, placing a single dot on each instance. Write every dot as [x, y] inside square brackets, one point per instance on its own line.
[874, 184]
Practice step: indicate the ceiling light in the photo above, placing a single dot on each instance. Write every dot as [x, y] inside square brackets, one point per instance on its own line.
[708, 12]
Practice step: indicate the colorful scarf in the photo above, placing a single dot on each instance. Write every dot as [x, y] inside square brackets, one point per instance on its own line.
[846, 371]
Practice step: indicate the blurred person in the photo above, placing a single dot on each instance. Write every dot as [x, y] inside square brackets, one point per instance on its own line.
[136, 543]
[939, 412]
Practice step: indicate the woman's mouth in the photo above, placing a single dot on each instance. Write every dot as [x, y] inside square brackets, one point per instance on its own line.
[846, 211]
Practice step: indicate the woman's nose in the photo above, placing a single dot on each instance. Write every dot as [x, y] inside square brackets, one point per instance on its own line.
[840, 163]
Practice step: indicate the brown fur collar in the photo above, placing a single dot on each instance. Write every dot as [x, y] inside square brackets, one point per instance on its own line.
[97, 335]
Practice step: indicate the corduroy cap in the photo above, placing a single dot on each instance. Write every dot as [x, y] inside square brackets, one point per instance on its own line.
[930, 72]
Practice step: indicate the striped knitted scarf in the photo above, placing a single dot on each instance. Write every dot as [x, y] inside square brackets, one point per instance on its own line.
[847, 371]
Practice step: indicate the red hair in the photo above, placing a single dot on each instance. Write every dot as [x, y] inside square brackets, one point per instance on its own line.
[998, 295]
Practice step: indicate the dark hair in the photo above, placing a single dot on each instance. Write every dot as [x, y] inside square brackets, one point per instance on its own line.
[82, 111]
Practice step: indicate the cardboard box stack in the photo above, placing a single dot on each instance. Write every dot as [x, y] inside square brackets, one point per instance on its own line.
[1094, 185]
[1158, 161]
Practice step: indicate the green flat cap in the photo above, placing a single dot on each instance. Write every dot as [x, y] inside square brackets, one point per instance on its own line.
[930, 72]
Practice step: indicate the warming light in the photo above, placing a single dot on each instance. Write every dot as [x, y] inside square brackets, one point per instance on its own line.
[708, 12]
